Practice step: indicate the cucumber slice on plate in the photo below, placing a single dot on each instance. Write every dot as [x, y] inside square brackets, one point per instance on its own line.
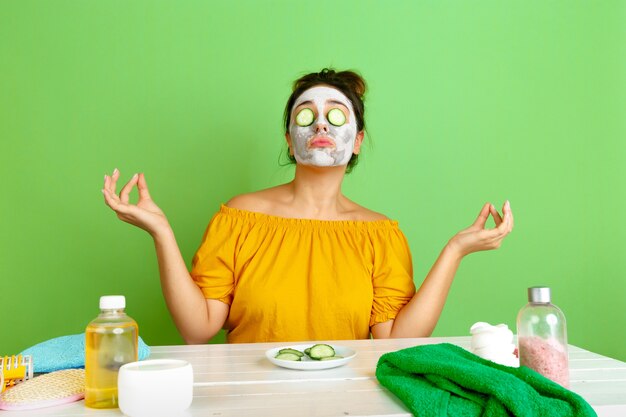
[336, 117]
[332, 358]
[321, 351]
[305, 117]
[288, 357]
[290, 350]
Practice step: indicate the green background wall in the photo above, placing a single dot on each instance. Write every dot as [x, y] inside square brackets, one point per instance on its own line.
[469, 101]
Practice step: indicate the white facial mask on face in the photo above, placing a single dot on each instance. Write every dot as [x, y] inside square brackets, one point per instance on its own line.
[322, 143]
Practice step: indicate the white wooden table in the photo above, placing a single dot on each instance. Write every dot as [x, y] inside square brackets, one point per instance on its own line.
[238, 381]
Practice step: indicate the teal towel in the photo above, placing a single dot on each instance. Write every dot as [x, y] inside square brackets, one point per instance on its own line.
[66, 352]
[446, 380]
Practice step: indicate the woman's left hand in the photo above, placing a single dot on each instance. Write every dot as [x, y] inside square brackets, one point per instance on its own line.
[476, 238]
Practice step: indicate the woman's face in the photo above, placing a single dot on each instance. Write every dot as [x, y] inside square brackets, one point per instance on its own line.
[323, 128]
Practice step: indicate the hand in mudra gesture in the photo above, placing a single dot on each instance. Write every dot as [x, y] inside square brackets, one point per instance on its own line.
[144, 214]
[477, 238]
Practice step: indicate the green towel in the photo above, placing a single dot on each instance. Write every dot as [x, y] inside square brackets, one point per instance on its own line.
[445, 380]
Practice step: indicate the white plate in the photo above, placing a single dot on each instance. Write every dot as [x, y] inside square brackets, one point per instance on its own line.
[308, 364]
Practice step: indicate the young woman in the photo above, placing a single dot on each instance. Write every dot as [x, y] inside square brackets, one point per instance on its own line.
[300, 261]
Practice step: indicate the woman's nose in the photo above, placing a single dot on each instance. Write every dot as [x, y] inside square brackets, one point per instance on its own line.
[321, 127]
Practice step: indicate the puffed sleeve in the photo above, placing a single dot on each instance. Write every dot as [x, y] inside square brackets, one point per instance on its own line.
[213, 264]
[392, 276]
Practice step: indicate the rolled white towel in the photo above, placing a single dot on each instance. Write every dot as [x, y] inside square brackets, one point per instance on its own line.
[494, 336]
[494, 343]
[495, 350]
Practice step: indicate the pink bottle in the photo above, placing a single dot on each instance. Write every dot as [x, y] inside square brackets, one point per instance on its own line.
[542, 337]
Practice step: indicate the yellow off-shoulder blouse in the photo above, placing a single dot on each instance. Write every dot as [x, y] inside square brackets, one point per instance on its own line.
[297, 279]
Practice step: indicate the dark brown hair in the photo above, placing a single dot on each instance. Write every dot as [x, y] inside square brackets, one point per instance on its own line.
[351, 84]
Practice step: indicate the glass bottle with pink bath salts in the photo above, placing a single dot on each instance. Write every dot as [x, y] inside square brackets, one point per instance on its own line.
[542, 337]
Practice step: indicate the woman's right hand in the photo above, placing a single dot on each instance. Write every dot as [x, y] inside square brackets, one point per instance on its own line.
[145, 214]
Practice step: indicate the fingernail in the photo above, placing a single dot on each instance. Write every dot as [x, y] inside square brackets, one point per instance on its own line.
[135, 176]
[115, 171]
[508, 204]
[102, 191]
[105, 177]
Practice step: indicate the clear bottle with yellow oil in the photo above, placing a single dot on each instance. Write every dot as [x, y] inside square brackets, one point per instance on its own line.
[110, 342]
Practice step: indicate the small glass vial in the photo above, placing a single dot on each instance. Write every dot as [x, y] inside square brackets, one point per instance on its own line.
[110, 342]
[542, 337]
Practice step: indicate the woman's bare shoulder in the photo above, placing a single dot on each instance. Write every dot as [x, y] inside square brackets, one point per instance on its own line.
[258, 201]
[358, 212]
[275, 201]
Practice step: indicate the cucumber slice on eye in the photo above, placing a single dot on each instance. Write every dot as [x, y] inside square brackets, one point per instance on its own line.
[336, 117]
[305, 117]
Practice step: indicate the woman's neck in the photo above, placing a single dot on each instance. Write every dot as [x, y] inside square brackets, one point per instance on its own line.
[316, 191]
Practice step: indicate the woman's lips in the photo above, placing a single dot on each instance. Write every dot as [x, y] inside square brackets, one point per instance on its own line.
[321, 142]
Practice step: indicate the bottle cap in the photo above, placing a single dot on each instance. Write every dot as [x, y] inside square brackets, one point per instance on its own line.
[112, 302]
[539, 294]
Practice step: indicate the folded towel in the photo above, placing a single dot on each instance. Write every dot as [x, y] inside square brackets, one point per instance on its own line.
[66, 352]
[446, 380]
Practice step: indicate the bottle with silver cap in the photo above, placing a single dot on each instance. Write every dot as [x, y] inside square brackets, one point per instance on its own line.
[542, 336]
[111, 340]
